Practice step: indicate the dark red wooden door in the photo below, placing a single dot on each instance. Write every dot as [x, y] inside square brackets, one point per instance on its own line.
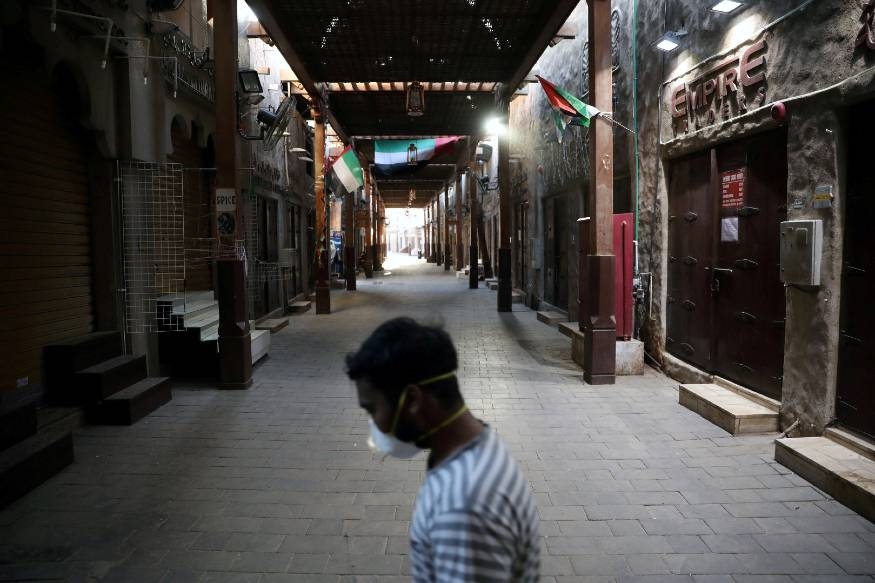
[690, 246]
[855, 395]
[726, 304]
[749, 299]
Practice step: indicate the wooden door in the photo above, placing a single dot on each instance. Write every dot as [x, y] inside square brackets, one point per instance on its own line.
[855, 395]
[550, 250]
[690, 256]
[749, 296]
[198, 209]
[726, 303]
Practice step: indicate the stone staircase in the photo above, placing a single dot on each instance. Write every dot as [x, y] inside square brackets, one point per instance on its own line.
[92, 372]
[31, 451]
[731, 407]
[188, 338]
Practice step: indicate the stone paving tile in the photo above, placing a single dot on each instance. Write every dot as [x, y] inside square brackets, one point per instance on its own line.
[276, 485]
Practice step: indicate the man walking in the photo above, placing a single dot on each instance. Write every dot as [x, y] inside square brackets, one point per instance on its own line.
[474, 519]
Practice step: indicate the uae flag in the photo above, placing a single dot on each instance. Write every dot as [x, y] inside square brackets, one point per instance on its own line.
[391, 157]
[345, 174]
[567, 109]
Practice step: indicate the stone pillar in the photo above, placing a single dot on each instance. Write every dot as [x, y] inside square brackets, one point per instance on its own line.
[600, 325]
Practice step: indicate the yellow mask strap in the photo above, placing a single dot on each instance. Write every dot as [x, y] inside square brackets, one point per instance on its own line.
[440, 377]
[449, 420]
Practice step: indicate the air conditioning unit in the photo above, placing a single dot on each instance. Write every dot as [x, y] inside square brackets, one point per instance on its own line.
[483, 153]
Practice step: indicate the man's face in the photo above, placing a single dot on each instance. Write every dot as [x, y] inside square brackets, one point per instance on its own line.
[382, 411]
[376, 404]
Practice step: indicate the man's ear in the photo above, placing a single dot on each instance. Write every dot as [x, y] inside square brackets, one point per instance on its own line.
[415, 397]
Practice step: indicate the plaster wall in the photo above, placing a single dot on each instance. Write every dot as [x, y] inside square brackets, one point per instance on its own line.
[560, 168]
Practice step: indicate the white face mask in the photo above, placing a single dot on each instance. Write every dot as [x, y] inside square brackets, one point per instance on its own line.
[386, 444]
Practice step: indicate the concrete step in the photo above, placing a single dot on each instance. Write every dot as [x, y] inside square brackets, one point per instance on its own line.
[273, 325]
[763, 400]
[191, 310]
[516, 297]
[260, 344]
[493, 285]
[838, 470]
[30, 462]
[131, 404]
[17, 424]
[568, 328]
[64, 359]
[98, 382]
[551, 318]
[299, 307]
[727, 409]
[181, 299]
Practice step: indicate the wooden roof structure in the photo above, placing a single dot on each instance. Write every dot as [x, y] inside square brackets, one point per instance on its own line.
[358, 57]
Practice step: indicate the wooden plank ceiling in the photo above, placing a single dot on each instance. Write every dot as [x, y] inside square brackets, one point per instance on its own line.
[359, 55]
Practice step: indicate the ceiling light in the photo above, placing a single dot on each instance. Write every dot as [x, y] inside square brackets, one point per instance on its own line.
[726, 6]
[670, 40]
[495, 126]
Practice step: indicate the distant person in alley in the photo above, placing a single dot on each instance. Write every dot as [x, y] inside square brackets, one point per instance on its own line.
[475, 518]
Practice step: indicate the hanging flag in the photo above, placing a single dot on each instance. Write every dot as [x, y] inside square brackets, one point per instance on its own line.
[345, 174]
[564, 103]
[393, 157]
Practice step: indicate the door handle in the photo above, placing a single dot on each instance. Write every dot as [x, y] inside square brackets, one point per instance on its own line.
[722, 270]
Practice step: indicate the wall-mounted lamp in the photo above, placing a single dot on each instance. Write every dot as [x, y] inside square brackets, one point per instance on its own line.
[726, 6]
[670, 40]
[249, 81]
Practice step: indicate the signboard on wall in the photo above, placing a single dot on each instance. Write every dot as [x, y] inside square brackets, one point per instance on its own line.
[718, 91]
[226, 213]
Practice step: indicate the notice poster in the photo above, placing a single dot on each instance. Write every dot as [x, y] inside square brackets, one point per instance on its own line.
[732, 190]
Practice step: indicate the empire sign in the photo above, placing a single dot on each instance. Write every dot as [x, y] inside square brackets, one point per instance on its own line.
[724, 90]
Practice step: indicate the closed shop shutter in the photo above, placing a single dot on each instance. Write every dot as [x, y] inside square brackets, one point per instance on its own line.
[45, 230]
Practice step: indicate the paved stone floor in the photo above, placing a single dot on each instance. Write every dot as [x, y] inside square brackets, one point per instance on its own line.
[275, 484]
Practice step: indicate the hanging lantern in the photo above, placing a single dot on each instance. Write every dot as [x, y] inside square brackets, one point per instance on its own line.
[415, 99]
[412, 154]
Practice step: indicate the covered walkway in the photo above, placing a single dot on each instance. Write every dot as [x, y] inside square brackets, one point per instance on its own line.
[276, 484]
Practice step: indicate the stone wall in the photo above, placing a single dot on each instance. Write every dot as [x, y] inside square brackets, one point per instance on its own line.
[809, 50]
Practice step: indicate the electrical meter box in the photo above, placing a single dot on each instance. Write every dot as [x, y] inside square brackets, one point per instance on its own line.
[801, 246]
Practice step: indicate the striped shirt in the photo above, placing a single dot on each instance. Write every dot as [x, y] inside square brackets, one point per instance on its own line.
[475, 518]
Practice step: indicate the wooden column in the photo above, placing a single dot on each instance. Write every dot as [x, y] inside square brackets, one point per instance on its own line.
[504, 235]
[425, 235]
[471, 189]
[349, 255]
[447, 227]
[367, 253]
[600, 335]
[323, 289]
[235, 347]
[438, 250]
[460, 246]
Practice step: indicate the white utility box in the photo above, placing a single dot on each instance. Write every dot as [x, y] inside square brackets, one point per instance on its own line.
[801, 249]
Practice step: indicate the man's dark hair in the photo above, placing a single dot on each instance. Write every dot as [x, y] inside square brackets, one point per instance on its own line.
[402, 351]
